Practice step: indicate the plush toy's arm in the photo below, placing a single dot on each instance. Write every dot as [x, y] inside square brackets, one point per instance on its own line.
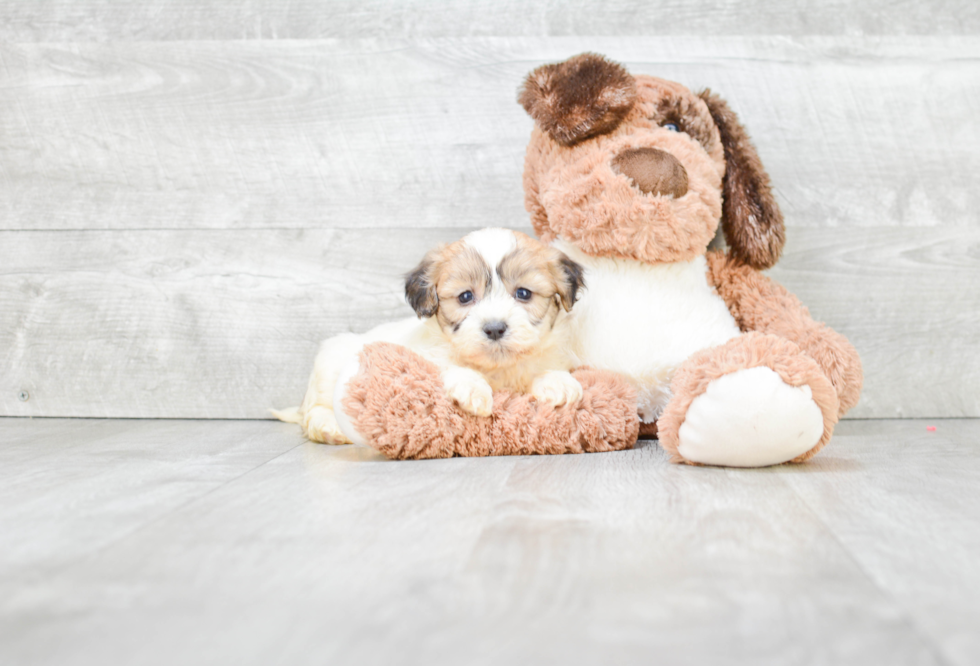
[397, 403]
[759, 304]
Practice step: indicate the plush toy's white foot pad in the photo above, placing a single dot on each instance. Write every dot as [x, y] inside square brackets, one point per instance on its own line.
[750, 418]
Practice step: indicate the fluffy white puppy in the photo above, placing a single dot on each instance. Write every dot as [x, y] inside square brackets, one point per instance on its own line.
[493, 313]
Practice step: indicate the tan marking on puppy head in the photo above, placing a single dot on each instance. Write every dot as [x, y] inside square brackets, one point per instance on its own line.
[446, 271]
[550, 276]
[463, 270]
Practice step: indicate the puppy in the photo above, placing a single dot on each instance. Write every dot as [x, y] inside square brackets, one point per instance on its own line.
[493, 313]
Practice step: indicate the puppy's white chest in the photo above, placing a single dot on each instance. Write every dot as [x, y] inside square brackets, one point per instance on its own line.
[644, 320]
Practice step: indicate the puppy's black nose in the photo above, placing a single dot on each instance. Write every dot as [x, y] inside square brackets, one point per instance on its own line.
[495, 329]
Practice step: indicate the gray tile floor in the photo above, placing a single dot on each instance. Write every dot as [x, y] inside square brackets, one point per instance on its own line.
[213, 542]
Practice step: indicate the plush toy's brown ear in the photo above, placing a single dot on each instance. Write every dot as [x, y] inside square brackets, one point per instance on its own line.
[582, 97]
[750, 218]
[420, 286]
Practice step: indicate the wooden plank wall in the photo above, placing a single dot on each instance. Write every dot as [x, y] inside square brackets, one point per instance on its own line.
[193, 194]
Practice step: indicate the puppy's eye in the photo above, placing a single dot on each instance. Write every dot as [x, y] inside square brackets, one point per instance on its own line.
[466, 297]
[522, 294]
[670, 126]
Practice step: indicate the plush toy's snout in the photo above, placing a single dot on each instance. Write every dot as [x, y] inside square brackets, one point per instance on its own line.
[588, 108]
[653, 171]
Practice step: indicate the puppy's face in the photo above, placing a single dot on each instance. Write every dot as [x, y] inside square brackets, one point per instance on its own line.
[496, 294]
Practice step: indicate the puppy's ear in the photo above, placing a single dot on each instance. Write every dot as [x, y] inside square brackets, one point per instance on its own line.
[420, 285]
[569, 278]
[582, 97]
[750, 218]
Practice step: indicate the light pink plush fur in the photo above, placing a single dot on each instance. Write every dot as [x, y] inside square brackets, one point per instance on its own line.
[398, 403]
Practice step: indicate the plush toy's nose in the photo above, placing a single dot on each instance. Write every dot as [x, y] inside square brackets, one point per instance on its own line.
[654, 171]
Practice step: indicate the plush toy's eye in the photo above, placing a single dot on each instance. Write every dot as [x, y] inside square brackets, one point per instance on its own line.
[466, 297]
[670, 126]
[522, 294]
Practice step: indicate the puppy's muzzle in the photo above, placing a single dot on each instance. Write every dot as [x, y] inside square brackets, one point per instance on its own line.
[653, 171]
[495, 329]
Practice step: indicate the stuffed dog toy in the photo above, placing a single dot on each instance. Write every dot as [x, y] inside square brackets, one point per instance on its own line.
[630, 177]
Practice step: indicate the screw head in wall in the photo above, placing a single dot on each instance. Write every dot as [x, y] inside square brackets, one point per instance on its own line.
[23, 396]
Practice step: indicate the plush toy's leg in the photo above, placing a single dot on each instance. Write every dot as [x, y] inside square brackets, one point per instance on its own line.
[761, 305]
[754, 401]
[750, 418]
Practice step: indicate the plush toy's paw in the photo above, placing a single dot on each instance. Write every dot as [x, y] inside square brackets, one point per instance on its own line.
[556, 388]
[470, 390]
[398, 402]
[321, 426]
[754, 401]
[750, 418]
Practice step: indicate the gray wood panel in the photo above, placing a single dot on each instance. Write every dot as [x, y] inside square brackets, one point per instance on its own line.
[208, 324]
[224, 324]
[105, 20]
[226, 542]
[389, 133]
[154, 197]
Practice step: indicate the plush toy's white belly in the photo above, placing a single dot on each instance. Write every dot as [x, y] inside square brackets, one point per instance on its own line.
[644, 320]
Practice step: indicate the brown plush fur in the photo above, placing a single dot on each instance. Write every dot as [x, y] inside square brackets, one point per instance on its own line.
[759, 304]
[747, 351]
[653, 171]
[578, 98]
[397, 401]
[751, 220]
[648, 430]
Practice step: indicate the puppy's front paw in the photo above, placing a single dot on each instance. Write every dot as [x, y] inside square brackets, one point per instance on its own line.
[470, 390]
[556, 388]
